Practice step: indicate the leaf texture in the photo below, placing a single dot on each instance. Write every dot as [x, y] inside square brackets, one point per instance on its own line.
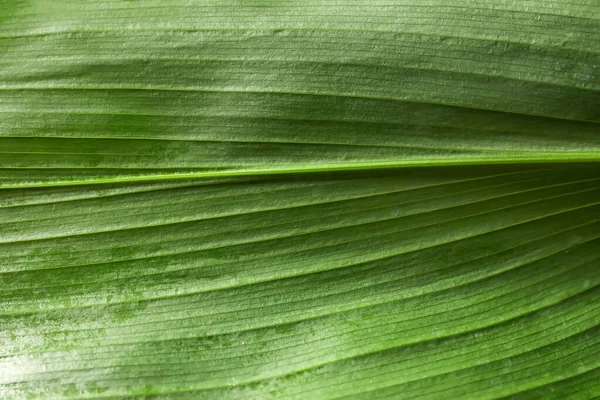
[299, 199]
[128, 90]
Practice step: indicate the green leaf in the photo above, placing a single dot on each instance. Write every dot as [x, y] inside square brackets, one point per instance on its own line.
[299, 199]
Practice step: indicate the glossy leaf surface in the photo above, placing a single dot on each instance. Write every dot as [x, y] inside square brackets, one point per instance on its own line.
[299, 199]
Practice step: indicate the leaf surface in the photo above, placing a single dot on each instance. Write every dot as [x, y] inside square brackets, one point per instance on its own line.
[299, 199]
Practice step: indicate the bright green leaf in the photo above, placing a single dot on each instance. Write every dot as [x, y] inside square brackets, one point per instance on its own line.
[299, 199]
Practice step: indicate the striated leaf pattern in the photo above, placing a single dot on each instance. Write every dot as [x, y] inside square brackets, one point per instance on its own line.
[299, 199]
